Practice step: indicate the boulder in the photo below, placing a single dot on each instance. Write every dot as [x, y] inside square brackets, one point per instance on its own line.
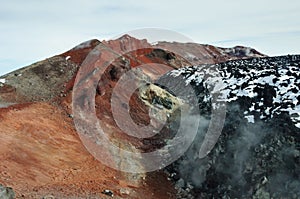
[6, 192]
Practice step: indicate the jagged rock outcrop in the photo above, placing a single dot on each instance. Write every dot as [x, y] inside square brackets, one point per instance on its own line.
[208, 54]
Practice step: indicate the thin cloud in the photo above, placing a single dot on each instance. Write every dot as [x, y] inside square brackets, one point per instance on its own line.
[34, 30]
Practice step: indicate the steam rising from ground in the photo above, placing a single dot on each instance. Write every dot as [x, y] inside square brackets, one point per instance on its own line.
[257, 160]
[258, 152]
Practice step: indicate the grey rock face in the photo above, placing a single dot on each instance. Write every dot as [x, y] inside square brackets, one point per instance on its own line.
[40, 81]
[6, 192]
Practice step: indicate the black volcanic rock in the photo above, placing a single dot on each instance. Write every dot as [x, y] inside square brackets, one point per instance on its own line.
[258, 152]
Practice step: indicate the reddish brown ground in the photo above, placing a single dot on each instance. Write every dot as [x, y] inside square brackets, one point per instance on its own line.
[40, 151]
[41, 154]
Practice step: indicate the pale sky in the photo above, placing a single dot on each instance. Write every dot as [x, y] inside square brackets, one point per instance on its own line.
[34, 30]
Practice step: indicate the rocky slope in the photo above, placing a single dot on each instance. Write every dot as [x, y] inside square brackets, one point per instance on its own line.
[41, 153]
[256, 155]
[6, 192]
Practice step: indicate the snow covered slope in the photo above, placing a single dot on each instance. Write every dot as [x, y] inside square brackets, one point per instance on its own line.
[257, 153]
[271, 85]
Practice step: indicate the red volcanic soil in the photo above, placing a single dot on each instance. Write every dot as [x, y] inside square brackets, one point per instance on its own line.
[40, 151]
[41, 154]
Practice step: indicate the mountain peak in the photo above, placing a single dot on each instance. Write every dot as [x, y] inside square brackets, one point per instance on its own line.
[36, 110]
[80, 52]
[127, 37]
[87, 44]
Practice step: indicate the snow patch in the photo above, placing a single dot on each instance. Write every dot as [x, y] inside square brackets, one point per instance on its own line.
[2, 81]
[272, 84]
[250, 118]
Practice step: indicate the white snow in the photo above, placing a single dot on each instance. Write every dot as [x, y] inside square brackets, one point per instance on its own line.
[265, 80]
[250, 118]
[231, 81]
[267, 111]
[252, 107]
[2, 81]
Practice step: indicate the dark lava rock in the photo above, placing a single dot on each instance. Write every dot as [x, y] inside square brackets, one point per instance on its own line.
[257, 154]
[108, 193]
